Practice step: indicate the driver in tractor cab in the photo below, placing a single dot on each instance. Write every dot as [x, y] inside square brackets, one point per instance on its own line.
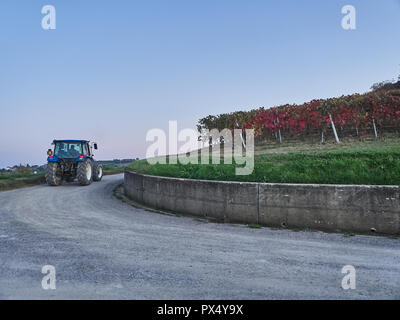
[73, 152]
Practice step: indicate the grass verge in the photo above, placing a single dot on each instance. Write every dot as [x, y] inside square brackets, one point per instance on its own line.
[16, 181]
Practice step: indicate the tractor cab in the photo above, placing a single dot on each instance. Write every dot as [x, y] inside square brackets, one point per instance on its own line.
[71, 149]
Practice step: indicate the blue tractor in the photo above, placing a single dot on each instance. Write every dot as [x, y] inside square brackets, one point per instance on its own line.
[70, 160]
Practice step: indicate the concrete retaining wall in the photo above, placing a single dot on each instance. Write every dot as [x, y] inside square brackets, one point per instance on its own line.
[350, 208]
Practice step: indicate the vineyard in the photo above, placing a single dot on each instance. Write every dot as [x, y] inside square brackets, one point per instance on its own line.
[356, 120]
[375, 113]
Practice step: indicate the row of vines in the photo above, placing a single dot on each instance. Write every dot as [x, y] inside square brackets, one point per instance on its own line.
[359, 114]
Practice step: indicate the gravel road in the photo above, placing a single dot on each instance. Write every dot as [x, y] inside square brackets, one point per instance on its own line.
[103, 248]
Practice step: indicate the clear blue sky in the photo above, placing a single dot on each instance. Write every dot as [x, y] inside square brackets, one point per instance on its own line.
[114, 69]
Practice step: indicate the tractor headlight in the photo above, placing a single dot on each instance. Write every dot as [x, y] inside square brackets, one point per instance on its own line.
[49, 152]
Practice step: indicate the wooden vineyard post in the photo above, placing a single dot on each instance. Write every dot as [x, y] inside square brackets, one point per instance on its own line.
[334, 128]
[279, 131]
[241, 135]
[375, 131]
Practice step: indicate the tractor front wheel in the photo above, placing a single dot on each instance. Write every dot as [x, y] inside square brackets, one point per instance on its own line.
[84, 172]
[53, 174]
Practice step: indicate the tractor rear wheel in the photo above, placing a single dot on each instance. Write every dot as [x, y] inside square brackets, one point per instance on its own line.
[97, 171]
[84, 172]
[53, 174]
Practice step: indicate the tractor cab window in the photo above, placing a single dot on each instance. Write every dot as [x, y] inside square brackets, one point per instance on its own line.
[85, 149]
[68, 149]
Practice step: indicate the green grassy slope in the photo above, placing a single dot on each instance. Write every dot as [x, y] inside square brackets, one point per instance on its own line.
[375, 163]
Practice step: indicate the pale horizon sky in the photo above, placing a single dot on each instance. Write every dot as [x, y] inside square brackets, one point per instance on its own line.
[112, 70]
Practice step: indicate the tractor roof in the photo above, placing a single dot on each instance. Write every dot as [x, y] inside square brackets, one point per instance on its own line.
[69, 140]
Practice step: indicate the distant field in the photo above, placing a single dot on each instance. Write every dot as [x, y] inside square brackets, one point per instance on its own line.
[108, 170]
[112, 167]
[371, 162]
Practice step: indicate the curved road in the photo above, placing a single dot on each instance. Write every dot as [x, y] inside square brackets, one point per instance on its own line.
[104, 248]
